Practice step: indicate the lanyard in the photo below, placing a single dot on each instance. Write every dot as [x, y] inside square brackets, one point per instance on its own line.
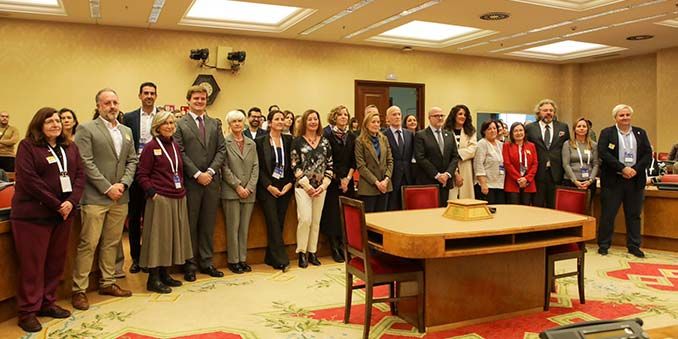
[588, 159]
[621, 139]
[520, 156]
[63, 170]
[280, 162]
[173, 165]
[495, 152]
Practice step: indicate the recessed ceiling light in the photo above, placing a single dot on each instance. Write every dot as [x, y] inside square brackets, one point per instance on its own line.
[640, 37]
[493, 16]
[565, 47]
[407, 49]
[51, 7]
[240, 11]
[33, 2]
[428, 31]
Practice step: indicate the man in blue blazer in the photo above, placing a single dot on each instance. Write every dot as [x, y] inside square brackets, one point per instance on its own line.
[139, 121]
[625, 153]
[402, 147]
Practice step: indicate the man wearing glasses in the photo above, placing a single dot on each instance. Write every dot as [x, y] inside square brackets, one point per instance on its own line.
[254, 118]
[436, 153]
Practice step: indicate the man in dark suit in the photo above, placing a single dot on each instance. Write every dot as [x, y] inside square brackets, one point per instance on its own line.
[254, 120]
[548, 135]
[402, 147]
[624, 152]
[139, 121]
[436, 153]
[203, 150]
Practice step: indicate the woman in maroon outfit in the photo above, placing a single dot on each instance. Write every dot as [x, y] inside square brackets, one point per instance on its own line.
[49, 183]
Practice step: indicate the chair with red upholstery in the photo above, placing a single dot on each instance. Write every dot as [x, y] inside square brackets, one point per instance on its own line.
[573, 200]
[6, 195]
[663, 156]
[419, 196]
[375, 268]
[670, 178]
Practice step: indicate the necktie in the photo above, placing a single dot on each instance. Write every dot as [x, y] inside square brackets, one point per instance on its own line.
[401, 146]
[441, 143]
[201, 126]
[547, 136]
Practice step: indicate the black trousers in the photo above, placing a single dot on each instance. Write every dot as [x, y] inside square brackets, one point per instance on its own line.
[275, 210]
[520, 198]
[493, 197]
[375, 203]
[546, 191]
[7, 164]
[137, 204]
[611, 196]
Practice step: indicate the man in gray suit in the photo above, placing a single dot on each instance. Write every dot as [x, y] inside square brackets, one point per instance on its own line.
[201, 141]
[109, 157]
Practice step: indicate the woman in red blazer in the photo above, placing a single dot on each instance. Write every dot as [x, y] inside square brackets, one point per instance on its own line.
[49, 183]
[520, 164]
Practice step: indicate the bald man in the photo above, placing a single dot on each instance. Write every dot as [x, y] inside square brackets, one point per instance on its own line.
[402, 147]
[436, 153]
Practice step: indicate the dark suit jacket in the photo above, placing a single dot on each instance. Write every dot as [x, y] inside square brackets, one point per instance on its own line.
[260, 132]
[554, 154]
[133, 121]
[429, 159]
[199, 156]
[37, 194]
[265, 156]
[401, 161]
[611, 167]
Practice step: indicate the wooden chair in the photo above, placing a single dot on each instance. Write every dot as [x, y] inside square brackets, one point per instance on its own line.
[374, 268]
[419, 196]
[573, 200]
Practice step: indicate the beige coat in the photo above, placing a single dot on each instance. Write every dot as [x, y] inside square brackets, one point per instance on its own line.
[467, 151]
[372, 169]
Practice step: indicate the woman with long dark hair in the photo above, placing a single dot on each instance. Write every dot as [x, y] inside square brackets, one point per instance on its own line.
[460, 123]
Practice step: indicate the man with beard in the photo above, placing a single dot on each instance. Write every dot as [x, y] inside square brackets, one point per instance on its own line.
[254, 118]
[110, 160]
[9, 136]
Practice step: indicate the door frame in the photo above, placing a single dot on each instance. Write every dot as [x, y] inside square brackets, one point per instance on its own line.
[421, 94]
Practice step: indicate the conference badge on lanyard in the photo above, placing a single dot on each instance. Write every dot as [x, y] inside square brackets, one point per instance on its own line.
[174, 165]
[584, 168]
[64, 179]
[279, 170]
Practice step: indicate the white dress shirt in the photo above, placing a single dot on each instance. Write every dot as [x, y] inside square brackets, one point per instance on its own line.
[116, 135]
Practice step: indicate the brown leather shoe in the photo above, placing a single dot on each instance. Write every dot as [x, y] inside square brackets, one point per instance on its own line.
[54, 311]
[79, 301]
[30, 323]
[115, 291]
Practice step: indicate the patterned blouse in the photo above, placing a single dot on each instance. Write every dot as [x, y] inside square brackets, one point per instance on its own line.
[312, 163]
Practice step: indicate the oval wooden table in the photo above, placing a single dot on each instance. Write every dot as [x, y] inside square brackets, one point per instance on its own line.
[477, 271]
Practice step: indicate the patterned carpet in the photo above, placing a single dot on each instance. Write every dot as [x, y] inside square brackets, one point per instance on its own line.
[309, 304]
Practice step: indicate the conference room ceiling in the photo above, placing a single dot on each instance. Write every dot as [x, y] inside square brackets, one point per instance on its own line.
[604, 25]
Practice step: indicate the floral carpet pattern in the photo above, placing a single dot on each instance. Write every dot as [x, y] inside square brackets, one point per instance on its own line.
[309, 304]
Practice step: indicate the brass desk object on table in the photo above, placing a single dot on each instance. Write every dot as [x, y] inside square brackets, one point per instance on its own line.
[467, 209]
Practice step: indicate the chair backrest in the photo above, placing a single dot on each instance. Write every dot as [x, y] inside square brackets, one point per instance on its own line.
[419, 196]
[573, 200]
[663, 156]
[354, 229]
[6, 195]
[670, 178]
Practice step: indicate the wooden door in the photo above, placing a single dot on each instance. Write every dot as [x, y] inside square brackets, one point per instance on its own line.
[377, 95]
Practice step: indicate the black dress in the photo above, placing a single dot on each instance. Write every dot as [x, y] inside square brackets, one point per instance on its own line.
[343, 157]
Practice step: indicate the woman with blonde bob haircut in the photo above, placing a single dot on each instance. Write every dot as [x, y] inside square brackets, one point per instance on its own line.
[166, 237]
[374, 162]
[239, 176]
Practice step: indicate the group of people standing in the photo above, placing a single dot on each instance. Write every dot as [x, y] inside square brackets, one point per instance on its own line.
[166, 175]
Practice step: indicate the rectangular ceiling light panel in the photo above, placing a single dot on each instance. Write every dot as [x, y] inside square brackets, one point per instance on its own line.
[49, 7]
[240, 11]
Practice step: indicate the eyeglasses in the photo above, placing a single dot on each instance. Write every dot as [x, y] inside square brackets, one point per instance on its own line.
[437, 116]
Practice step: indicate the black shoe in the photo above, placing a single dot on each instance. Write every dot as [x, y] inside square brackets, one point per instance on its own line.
[637, 252]
[154, 284]
[54, 311]
[602, 251]
[134, 268]
[212, 272]
[303, 262]
[337, 256]
[245, 267]
[167, 279]
[313, 259]
[189, 276]
[236, 268]
[30, 324]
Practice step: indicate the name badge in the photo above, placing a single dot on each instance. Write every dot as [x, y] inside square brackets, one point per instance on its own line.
[523, 169]
[157, 151]
[628, 157]
[585, 172]
[501, 169]
[65, 181]
[548, 163]
[51, 159]
[177, 181]
[610, 146]
[278, 172]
